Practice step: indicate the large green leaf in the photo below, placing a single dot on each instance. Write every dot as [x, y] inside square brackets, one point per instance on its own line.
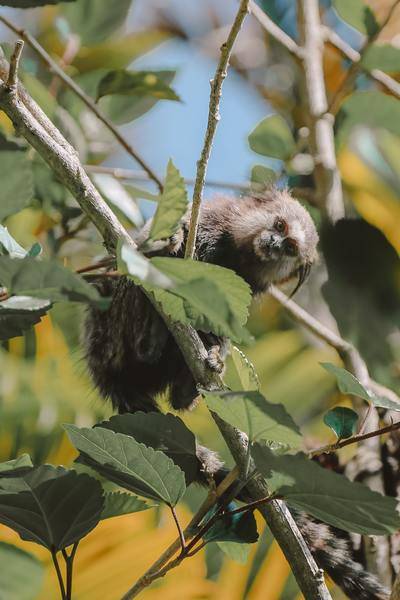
[171, 207]
[95, 21]
[16, 190]
[252, 413]
[327, 495]
[117, 195]
[121, 503]
[358, 14]
[16, 466]
[208, 297]
[46, 279]
[240, 373]
[273, 137]
[142, 271]
[342, 421]
[375, 109]
[234, 551]
[135, 83]
[129, 464]
[21, 574]
[165, 432]
[383, 56]
[19, 313]
[51, 506]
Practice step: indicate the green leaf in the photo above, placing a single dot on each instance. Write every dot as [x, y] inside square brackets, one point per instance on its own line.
[273, 137]
[30, 3]
[116, 195]
[375, 109]
[129, 464]
[342, 420]
[8, 246]
[240, 374]
[22, 574]
[208, 297]
[19, 313]
[172, 205]
[357, 14]
[164, 432]
[327, 495]
[124, 109]
[121, 503]
[254, 415]
[262, 175]
[15, 466]
[383, 56]
[51, 506]
[46, 279]
[234, 551]
[240, 528]
[142, 271]
[16, 190]
[135, 83]
[93, 21]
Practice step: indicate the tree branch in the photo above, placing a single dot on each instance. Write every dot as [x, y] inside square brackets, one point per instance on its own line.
[320, 123]
[70, 83]
[276, 32]
[213, 118]
[14, 64]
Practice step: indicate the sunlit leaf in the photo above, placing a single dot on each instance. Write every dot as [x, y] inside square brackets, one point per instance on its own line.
[9, 246]
[327, 495]
[358, 14]
[165, 432]
[239, 372]
[273, 137]
[22, 573]
[15, 466]
[342, 420]
[121, 503]
[51, 506]
[19, 313]
[133, 263]
[116, 195]
[135, 83]
[171, 207]
[124, 461]
[254, 415]
[381, 56]
[16, 190]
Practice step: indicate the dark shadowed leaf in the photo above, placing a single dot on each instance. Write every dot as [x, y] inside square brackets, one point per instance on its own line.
[254, 415]
[135, 83]
[19, 313]
[273, 137]
[51, 506]
[357, 14]
[131, 465]
[16, 190]
[234, 551]
[30, 3]
[240, 528]
[121, 503]
[171, 207]
[21, 575]
[95, 21]
[239, 372]
[327, 495]
[35, 250]
[46, 279]
[383, 56]
[342, 420]
[165, 432]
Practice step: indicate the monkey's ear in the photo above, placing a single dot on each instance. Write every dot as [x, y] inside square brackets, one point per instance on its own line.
[302, 274]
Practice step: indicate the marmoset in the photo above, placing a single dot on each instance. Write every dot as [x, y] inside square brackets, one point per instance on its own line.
[265, 238]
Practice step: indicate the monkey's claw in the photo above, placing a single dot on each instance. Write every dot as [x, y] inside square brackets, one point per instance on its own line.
[214, 359]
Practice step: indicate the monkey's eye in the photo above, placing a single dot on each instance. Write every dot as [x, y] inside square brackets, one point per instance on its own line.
[280, 226]
[291, 248]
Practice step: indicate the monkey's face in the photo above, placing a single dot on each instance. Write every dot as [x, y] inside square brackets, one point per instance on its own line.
[282, 236]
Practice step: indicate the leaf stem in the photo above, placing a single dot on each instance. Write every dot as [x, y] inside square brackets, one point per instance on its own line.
[59, 574]
[179, 528]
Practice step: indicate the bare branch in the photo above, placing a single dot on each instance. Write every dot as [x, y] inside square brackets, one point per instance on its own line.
[70, 83]
[276, 32]
[14, 64]
[213, 118]
[320, 123]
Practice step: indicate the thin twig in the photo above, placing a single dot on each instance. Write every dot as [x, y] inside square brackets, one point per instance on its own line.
[179, 528]
[329, 448]
[320, 123]
[276, 32]
[14, 64]
[104, 262]
[354, 69]
[213, 118]
[70, 83]
[59, 574]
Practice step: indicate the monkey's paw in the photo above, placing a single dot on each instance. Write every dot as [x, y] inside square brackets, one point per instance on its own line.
[214, 360]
